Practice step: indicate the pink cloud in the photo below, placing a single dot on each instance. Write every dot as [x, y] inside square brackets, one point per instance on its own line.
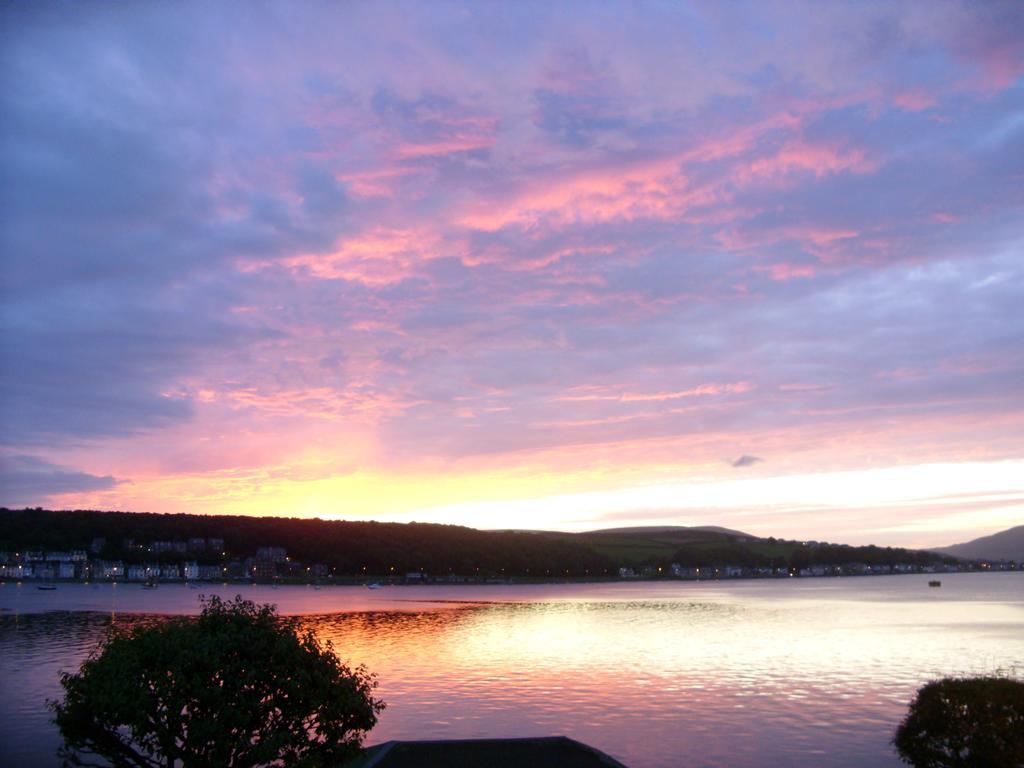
[828, 245]
[635, 191]
[803, 157]
[914, 99]
[705, 390]
[460, 134]
[664, 188]
[380, 256]
[782, 272]
[377, 182]
[354, 402]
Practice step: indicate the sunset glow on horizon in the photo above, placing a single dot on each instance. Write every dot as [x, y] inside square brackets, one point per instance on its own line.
[518, 265]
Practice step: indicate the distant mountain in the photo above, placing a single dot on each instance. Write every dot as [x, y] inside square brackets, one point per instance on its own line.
[1006, 545]
[670, 529]
[643, 545]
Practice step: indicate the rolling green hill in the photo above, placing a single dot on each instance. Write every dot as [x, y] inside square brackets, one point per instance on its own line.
[652, 545]
[716, 546]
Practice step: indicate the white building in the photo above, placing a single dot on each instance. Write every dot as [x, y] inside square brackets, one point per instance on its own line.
[170, 572]
[109, 569]
[45, 571]
[211, 572]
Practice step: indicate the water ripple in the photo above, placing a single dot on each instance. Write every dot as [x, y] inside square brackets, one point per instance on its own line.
[746, 674]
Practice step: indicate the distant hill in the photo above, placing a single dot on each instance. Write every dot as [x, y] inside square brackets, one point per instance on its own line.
[1005, 545]
[366, 547]
[640, 545]
[351, 547]
[671, 529]
[697, 546]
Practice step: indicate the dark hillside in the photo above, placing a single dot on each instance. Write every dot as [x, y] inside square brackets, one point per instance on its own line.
[350, 547]
[1005, 545]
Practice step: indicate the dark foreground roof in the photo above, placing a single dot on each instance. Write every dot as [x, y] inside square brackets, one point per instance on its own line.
[547, 752]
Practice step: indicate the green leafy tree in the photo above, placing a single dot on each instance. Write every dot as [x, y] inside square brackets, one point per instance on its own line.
[964, 723]
[238, 686]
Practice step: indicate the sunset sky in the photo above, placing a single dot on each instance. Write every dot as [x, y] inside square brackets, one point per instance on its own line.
[512, 264]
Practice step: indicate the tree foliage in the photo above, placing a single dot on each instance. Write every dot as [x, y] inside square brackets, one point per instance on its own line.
[796, 555]
[964, 723]
[238, 686]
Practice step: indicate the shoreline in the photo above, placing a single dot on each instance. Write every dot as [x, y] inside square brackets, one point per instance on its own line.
[383, 582]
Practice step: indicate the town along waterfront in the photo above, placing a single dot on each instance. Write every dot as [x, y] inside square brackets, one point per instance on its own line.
[803, 672]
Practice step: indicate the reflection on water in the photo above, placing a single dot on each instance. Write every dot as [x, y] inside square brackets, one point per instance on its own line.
[814, 673]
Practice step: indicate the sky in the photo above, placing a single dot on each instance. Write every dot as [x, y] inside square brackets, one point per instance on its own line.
[518, 264]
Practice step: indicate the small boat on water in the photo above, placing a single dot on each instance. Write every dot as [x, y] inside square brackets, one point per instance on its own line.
[375, 585]
[934, 583]
[149, 584]
[46, 587]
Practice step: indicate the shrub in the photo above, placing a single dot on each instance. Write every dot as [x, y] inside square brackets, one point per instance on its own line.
[964, 723]
[238, 686]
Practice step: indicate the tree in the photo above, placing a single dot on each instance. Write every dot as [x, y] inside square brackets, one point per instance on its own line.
[964, 723]
[238, 686]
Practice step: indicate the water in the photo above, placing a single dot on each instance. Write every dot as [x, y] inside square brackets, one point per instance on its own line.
[812, 672]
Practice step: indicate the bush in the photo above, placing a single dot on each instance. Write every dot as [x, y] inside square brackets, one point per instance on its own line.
[964, 723]
[238, 686]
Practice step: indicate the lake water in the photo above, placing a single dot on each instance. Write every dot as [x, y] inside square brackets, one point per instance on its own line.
[803, 672]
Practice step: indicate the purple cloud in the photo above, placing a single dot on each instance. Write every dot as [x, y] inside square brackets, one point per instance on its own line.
[478, 237]
[746, 460]
[29, 480]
